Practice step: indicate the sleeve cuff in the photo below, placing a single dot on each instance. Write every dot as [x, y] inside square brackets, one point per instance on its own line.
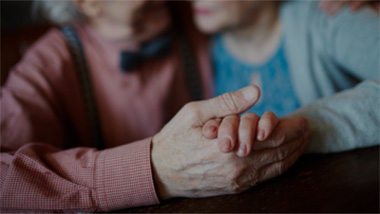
[123, 177]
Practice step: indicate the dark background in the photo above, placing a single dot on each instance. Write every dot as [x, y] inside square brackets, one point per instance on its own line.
[19, 29]
[16, 15]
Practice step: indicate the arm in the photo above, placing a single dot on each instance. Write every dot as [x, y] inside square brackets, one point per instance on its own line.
[352, 41]
[45, 177]
[30, 109]
[39, 176]
[349, 119]
[34, 105]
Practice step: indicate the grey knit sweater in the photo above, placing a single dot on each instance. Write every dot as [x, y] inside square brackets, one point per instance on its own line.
[335, 67]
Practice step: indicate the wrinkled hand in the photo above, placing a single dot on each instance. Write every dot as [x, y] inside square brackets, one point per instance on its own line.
[241, 132]
[332, 7]
[238, 134]
[187, 164]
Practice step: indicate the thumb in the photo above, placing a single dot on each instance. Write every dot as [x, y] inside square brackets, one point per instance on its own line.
[228, 103]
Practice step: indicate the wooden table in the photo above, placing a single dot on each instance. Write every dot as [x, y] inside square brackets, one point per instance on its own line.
[343, 182]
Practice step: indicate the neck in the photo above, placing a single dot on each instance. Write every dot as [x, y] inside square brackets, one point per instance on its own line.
[256, 40]
[112, 32]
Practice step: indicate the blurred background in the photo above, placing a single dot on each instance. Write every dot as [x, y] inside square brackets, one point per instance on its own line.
[19, 29]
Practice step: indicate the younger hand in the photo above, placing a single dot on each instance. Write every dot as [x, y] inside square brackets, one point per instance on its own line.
[239, 134]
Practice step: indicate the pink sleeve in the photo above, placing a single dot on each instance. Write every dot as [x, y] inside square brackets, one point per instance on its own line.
[33, 107]
[43, 177]
[34, 176]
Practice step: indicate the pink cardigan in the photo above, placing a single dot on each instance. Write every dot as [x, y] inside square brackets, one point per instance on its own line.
[46, 159]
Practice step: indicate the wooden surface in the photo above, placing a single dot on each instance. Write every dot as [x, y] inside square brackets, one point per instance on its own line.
[343, 182]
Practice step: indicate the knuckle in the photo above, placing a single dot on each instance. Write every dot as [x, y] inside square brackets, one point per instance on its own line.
[210, 123]
[279, 139]
[191, 110]
[212, 126]
[228, 102]
[228, 124]
[263, 175]
[189, 107]
[229, 160]
[235, 172]
[269, 119]
[238, 185]
[232, 177]
[280, 168]
[264, 157]
[253, 177]
[235, 188]
[250, 116]
[244, 128]
[232, 118]
[270, 115]
[281, 154]
[215, 121]
[265, 124]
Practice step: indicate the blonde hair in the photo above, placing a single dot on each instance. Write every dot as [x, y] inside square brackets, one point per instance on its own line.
[59, 12]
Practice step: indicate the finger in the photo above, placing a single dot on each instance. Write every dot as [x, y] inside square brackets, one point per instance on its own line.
[247, 133]
[267, 124]
[227, 133]
[264, 157]
[210, 129]
[277, 168]
[285, 131]
[226, 104]
[273, 168]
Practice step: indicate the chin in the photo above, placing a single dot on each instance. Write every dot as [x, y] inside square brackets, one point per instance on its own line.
[209, 30]
[207, 27]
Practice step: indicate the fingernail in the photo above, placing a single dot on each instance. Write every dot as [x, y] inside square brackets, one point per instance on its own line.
[261, 135]
[249, 93]
[242, 150]
[226, 145]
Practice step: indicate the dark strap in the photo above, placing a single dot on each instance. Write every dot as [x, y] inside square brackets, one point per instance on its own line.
[76, 50]
[191, 69]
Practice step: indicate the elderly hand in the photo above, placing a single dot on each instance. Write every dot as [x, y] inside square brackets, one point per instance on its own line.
[240, 133]
[186, 164]
[332, 7]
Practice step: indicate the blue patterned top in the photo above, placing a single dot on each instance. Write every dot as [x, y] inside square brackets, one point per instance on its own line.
[272, 77]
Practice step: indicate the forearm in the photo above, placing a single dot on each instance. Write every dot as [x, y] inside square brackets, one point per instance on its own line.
[345, 121]
[42, 177]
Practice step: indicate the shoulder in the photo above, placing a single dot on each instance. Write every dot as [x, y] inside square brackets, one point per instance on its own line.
[50, 46]
[49, 55]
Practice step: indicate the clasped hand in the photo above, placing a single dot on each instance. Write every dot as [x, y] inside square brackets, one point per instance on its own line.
[195, 154]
